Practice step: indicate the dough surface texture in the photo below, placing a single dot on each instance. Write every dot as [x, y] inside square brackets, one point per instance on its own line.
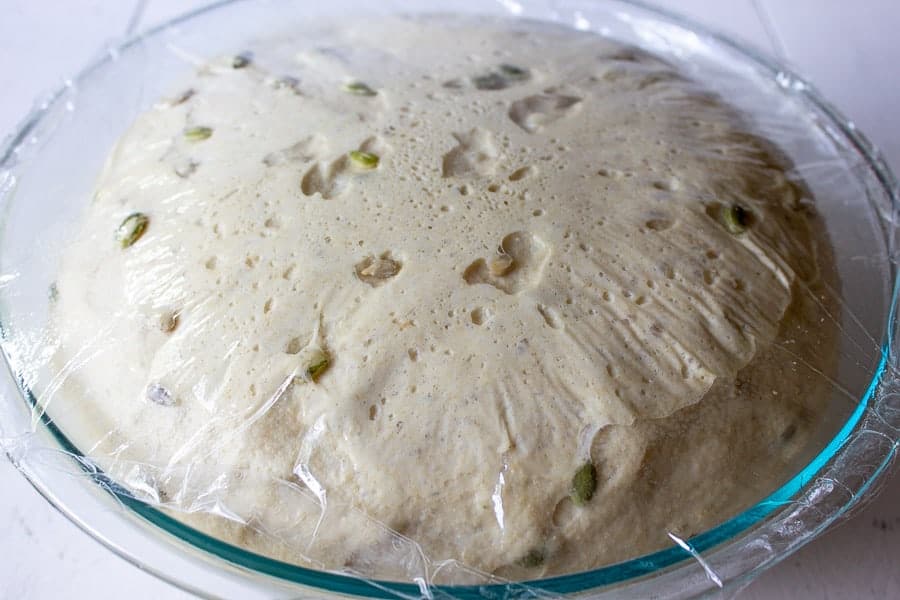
[565, 253]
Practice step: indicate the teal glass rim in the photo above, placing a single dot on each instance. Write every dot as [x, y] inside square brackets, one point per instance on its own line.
[566, 584]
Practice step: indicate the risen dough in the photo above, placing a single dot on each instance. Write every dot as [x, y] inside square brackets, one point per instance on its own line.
[538, 274]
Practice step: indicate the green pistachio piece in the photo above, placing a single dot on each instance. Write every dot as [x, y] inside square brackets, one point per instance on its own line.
[168, 321]
[490, 81]
[358, 88]
[514, 73]
[288, 81]
[501, 78]
[241, 60]
[363, 160]
[198, 134]
[183, 97]
[317, 363]
[377, 271]
[584, 483]
[789, 432]
[735, 218]
[53, 292]
[132, 228]
[533, 558]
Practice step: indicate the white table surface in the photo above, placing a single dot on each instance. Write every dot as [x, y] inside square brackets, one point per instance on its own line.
[851, 50]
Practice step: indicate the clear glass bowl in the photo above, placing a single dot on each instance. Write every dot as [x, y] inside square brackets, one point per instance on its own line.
[47, 169]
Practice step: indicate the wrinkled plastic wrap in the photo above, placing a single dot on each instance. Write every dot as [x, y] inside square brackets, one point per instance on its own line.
[254, 347]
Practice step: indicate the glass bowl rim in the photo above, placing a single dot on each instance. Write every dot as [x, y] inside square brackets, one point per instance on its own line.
[622, 572]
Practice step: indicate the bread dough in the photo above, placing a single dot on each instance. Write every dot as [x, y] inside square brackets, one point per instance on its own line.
[397, 369]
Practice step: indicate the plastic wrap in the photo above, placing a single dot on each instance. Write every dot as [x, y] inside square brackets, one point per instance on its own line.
[271, 353]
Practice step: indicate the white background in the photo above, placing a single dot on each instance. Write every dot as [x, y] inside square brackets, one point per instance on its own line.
[851, 50]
